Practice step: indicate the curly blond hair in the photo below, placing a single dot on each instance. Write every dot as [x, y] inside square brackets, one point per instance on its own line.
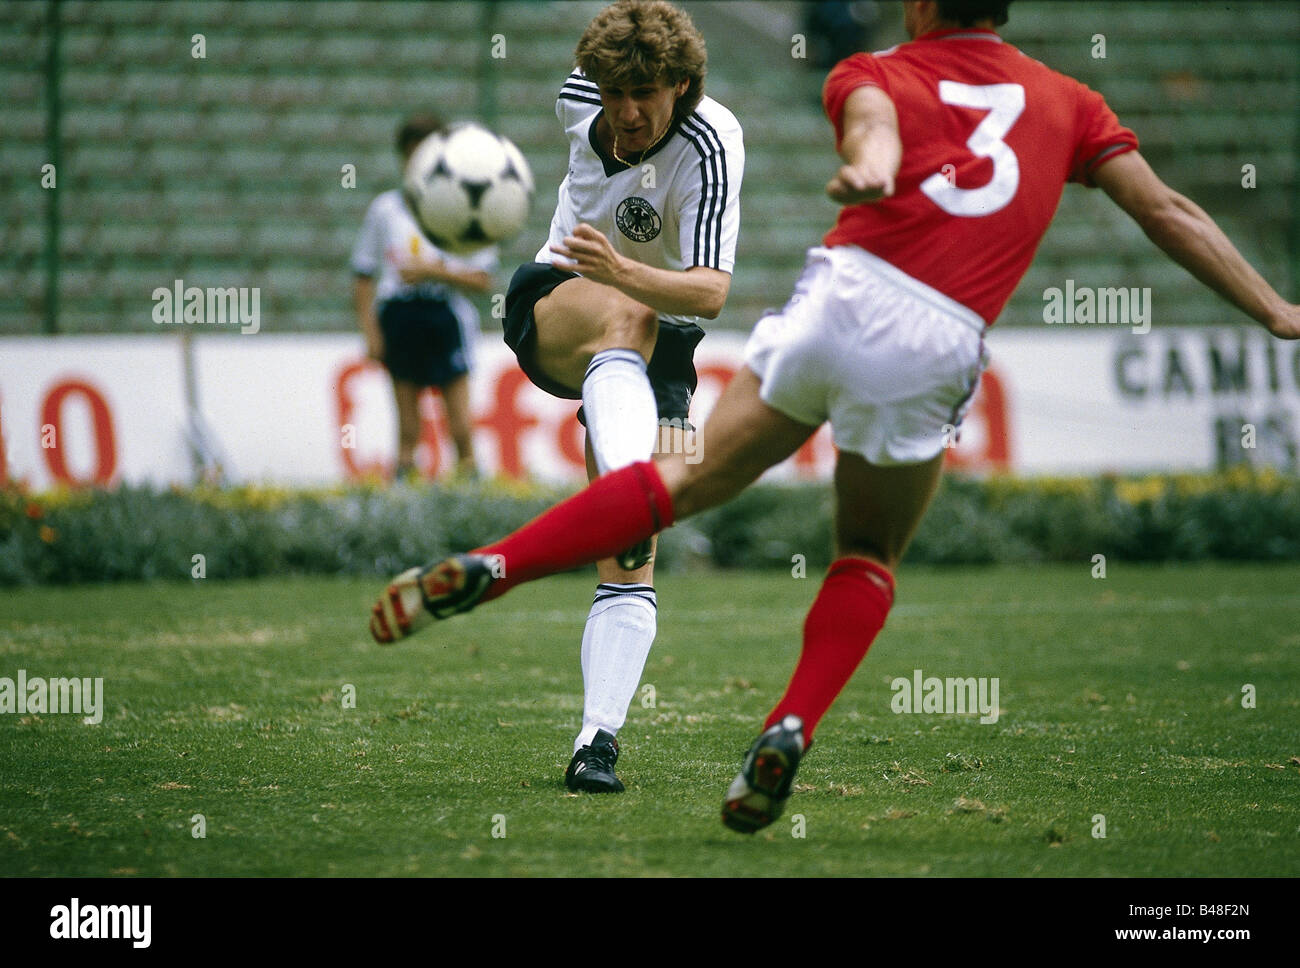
[635, 42]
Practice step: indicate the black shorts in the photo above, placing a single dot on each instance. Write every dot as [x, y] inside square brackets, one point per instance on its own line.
[423, 343]
[672, 365]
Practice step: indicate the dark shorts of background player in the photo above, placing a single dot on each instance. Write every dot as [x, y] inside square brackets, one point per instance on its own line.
[672, 365]
[423, 343]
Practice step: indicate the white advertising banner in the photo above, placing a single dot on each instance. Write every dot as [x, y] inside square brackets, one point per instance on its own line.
[92, 410]
[1097, 399]
[310, 409]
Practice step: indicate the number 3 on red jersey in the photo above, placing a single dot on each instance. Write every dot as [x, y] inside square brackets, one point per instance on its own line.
[1004, 102]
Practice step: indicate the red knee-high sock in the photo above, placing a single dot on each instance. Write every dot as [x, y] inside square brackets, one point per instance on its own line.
[844, 620]
[612, 514]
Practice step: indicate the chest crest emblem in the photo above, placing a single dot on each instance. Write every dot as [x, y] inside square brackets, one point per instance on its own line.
[637, 219]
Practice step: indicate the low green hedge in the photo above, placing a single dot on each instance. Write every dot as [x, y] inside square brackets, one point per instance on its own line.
[243, 532]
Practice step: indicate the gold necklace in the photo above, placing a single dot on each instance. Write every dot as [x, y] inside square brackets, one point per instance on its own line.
[618, 157]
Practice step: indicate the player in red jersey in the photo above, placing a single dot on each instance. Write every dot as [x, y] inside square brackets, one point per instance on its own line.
[955, 148]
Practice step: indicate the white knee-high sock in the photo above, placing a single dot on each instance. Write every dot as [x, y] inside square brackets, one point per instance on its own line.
[620, 630]
[622, 417]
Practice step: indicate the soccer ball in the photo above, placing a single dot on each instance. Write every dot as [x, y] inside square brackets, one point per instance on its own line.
[467, 187]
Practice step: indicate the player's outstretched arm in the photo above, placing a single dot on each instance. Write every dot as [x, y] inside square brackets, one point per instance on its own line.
[1192, 239]
[871, 149]
[435, 270]
[698, 291]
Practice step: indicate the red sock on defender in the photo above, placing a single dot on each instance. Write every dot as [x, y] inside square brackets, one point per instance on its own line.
[612, 514]
[849, 612]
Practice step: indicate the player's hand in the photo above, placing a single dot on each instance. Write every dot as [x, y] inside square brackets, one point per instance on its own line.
[590, 254]
[853, 185]
[1286, 325]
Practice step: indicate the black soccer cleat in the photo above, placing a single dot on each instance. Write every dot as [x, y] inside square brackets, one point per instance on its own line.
[418, 595]
[637, 556]
[758, 794]
[592, 767]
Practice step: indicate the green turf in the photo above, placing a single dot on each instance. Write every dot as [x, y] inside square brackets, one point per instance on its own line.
[1119, 697]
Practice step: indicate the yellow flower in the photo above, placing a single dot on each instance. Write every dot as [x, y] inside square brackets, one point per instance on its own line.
[1238, 477]
[66, 497]
[1148, 489]
[1194, 485]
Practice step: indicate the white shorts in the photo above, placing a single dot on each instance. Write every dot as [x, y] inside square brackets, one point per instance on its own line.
[889, 361]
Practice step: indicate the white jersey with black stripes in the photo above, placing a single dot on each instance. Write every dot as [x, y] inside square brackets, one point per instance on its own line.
[676, 207]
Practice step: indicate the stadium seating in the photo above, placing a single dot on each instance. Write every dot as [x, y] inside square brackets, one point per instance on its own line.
[230, 167]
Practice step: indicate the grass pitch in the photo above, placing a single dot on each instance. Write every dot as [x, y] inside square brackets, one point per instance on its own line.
[1120, 697]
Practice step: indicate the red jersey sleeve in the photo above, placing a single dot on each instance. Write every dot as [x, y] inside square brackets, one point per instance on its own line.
[1101, 137]
[846, 77]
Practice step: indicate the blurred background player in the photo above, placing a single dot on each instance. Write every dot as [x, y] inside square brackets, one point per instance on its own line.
[883, 337]
[416, 321]
[641, 248]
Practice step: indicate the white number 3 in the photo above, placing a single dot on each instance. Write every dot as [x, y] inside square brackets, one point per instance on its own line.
[1004, 102]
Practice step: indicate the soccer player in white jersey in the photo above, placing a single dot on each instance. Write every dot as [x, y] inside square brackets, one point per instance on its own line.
[417, 322]
[641, 249]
